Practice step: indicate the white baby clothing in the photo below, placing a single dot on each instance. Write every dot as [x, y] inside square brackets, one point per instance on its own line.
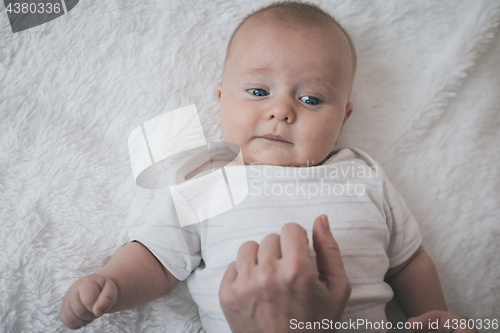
[368, 218]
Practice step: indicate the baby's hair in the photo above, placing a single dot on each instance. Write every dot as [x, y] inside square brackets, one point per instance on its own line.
[296, 12]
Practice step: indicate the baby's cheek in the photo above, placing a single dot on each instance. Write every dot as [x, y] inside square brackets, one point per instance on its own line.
[231, 134]
[319, 148]
[225, 127]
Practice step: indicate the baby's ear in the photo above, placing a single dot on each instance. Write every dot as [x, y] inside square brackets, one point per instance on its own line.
[218, 91]
[348, 111]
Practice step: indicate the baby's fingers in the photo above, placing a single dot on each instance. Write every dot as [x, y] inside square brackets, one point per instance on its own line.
[87, 295]
[73, 313]
[107, 298]
[73, 320]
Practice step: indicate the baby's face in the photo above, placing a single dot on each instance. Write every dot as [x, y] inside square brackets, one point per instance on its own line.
[291, 82]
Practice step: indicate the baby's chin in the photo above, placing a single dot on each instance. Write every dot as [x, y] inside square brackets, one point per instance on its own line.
[272, 159]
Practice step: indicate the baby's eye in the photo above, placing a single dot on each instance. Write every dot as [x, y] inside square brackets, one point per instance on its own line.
[310, 100]
[258, 92]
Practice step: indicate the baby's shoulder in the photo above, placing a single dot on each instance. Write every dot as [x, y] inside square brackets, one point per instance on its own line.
[355, 159]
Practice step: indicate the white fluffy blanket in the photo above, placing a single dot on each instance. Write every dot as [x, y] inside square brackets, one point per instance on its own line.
[427, 107]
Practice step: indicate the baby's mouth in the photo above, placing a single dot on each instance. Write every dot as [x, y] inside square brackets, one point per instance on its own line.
[273, 138]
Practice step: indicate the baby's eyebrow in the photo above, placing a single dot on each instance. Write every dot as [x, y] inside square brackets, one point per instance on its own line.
[320, 83]
[257, 70]
[314, 80]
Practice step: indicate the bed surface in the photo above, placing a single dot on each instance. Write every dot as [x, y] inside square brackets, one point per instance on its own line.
[426, 106]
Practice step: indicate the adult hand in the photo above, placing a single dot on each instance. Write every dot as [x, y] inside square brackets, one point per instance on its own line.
[444, 322]
[273, 287]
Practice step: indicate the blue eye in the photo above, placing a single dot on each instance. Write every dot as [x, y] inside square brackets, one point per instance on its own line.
[310, 100]
[258, 92]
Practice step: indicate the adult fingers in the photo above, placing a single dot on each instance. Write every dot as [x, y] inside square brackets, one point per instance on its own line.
[107, 298]
[328, 258]
[230, 274]
[225, 292]
[294, 242]
[246, 257]
[269, 249]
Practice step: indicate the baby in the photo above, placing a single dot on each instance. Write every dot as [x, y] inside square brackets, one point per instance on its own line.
[284, 99]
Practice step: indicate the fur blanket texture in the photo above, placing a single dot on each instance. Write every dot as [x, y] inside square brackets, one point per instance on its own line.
[426, 106]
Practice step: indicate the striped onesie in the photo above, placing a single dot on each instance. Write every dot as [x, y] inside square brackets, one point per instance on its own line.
[368, 218]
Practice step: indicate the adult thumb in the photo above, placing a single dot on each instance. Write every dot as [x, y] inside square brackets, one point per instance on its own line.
[328, 258]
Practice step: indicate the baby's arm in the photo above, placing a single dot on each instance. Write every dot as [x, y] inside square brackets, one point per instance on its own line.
[130, 279]
[138, 275]
[416, 285]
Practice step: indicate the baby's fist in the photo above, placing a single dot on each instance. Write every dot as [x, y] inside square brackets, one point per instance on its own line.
[87, 299]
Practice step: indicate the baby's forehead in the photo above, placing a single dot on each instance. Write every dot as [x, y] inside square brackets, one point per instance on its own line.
[327, 37]
[266, 23]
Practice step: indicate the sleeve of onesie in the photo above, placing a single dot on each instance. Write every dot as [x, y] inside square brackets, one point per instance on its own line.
[404, 233]
[177, 248]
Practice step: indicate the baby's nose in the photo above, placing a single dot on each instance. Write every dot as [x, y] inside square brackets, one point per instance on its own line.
[281, 110]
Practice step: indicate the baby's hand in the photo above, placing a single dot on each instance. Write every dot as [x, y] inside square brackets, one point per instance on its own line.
[87, 299]
[447, 322]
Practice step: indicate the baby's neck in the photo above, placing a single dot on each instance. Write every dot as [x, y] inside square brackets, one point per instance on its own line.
[207, 166]
[219, 164]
